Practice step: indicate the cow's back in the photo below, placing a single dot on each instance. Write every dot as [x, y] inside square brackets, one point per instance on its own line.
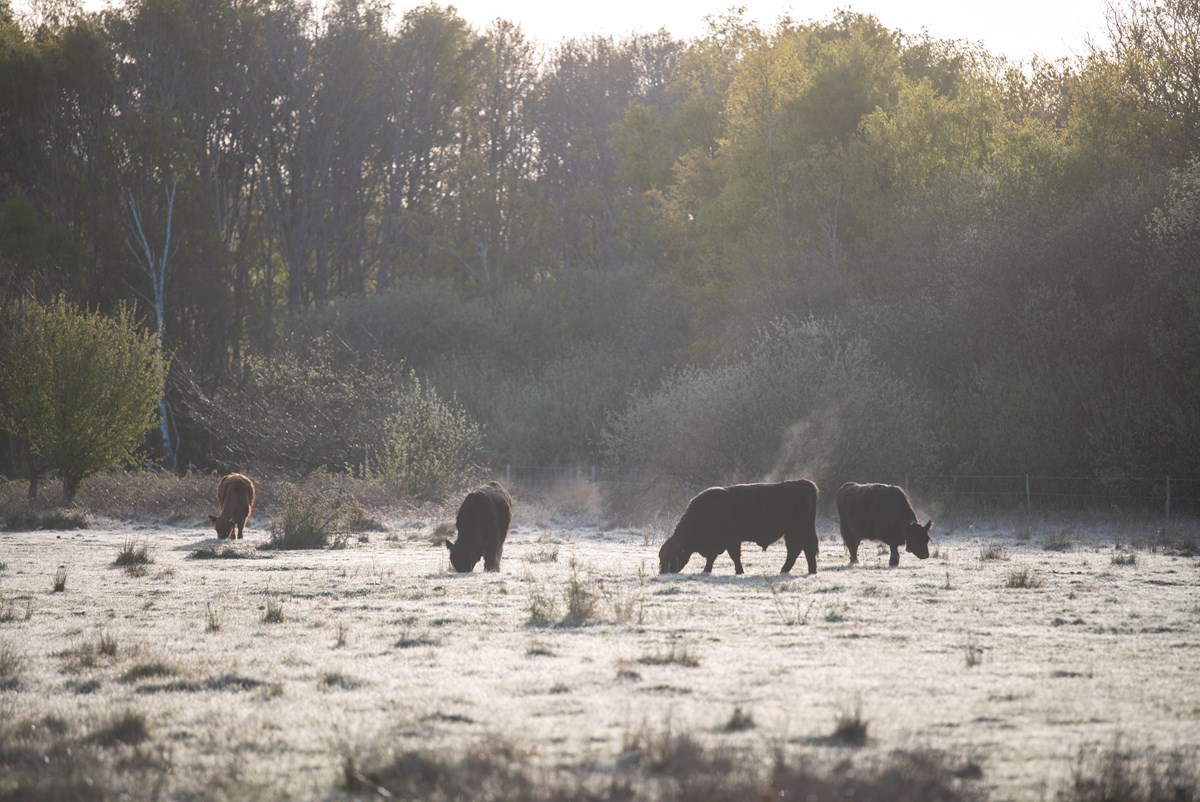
[235, 494]
[721, 515]
[872, 511]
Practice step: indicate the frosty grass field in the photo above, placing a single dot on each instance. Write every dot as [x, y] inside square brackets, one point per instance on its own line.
[1009, 651]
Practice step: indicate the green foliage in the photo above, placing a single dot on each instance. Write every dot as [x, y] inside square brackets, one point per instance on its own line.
[79, 387]
[427, 447]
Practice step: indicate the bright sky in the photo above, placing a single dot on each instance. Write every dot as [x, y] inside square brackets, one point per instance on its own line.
[1018, 29]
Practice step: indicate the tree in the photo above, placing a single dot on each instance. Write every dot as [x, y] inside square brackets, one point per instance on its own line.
[80, 387]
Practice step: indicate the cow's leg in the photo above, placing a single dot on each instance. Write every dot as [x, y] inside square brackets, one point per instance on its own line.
[852, 545]
[240, 527]
[811, 556]
[793, 551]
[735, 553]
[708, 563]
[895, 557]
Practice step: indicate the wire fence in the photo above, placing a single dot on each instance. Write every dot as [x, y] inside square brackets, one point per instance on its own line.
[1163, 496]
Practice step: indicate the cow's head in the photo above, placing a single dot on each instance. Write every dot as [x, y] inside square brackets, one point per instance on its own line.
[223, 525]
[916, 539]
[460, 558]
[673, 556]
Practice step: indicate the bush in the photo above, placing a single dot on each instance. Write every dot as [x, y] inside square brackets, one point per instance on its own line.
[318, 406]
[806, 399]
[81, 388]
[428, 447]
[308, 519]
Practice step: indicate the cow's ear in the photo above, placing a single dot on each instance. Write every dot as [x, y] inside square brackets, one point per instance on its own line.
[927, 526]
[449, 545]
[212, 518]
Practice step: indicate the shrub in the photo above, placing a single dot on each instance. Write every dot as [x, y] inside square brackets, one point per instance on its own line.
[319, 405]
[769, 411]
[427, 447]
[81, 388]
[308, 519]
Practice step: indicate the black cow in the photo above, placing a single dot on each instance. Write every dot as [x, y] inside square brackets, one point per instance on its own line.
[880, 512]
[482, 525]
[721, 518]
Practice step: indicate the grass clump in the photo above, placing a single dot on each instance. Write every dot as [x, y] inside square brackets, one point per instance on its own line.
[12, 663]
[152, 669]
[128, 728]
[788, 616]
[60, 580]
[993, 552]
[1127, 558]
[678, 655]
[310, 520]
[9, 611]
[273, 613]
[133, 554]
[584, 601]
[740, 721]
[1115, 773]
[217, 553]
[1059, 541]
[1023, 578]
[850, 728]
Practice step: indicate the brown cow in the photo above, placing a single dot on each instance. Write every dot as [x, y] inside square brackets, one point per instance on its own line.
[482, 526]
[235, 494]
[884, 513]
[721, 518]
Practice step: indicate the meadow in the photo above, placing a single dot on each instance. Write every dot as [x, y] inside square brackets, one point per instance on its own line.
[151, 661]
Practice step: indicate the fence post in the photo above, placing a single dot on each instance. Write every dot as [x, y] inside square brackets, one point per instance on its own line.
[1167, 512]
[1028, 496]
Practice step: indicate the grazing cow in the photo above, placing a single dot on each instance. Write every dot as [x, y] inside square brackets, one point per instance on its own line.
[880, 512]
[482, 525]
[721, 518]
[235, 495]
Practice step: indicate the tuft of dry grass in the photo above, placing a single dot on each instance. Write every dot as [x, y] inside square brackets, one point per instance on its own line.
[9, 611]
[850, 728]
[993, 552]
[60, 580]
[678, 655]
[740, 721]
[273, 613]
[1059, 541]
[133, 554]
[128, 728]
[1117, 774]
[12, 663]
[212, 618]
[1023, 578]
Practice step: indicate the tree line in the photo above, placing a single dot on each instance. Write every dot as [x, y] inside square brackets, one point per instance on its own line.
[822, 245]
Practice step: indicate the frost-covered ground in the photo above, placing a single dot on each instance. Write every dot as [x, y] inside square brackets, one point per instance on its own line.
[379, 647]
